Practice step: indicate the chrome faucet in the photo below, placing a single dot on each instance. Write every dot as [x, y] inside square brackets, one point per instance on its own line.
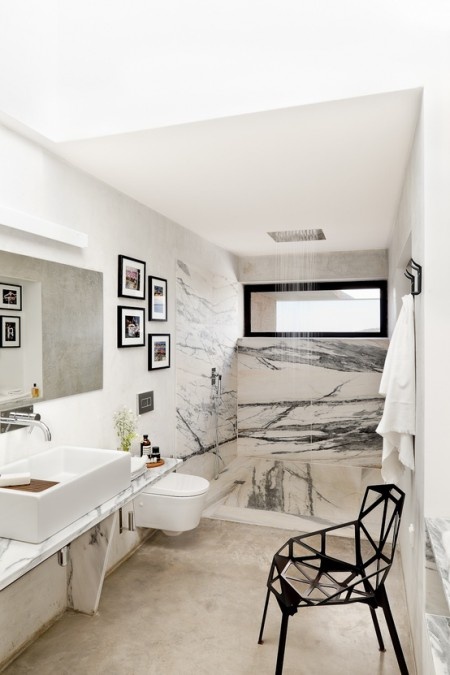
[30, 420]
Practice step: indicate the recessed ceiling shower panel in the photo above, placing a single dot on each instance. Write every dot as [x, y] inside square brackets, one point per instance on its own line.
[287, 236]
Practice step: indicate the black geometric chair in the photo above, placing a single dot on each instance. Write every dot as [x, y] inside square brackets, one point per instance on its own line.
[305, 574]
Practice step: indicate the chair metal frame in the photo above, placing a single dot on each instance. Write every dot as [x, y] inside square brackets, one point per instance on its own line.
[303, 574]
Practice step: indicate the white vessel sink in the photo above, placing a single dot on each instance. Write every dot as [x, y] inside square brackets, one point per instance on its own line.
[85, 477]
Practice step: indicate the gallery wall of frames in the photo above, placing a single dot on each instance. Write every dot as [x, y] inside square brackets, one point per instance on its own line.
[134, 284]
[10, 324]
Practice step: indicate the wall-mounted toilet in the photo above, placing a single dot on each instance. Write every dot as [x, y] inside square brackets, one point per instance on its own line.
[173, 504]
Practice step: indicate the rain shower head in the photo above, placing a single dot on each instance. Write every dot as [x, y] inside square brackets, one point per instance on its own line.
[286, 236]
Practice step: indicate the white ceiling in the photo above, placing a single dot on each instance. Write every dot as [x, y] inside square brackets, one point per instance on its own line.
[338, 166]
[232, 118]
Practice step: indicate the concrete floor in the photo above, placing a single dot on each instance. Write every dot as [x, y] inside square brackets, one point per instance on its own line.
[191, 605]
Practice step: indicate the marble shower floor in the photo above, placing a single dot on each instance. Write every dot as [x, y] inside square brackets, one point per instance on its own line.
[191, 605]
[288, 494]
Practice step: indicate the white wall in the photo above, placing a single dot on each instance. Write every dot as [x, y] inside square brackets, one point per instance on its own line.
[34, 181]
[436, 321]
[407, 243]
[299, 264]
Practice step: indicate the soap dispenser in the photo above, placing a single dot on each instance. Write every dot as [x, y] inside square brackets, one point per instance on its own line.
[146, 446]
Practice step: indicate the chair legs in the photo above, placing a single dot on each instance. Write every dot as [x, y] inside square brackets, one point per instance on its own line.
[283, 633]
[377, 629]
[282, 643]
[384, 603]
[260, 639]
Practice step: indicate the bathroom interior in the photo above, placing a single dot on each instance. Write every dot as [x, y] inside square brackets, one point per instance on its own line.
[283, 428]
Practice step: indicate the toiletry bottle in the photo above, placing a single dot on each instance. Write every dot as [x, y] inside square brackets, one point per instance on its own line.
[155, 454]
[35, 391]
[145, 446]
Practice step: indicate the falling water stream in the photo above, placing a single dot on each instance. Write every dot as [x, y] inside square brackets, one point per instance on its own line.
[296, 263]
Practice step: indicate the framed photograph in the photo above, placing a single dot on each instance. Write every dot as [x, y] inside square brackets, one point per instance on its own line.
[11, 297]
[130, 327]
[9, 331]
[131, 278]
[158, 351]
[157, 299]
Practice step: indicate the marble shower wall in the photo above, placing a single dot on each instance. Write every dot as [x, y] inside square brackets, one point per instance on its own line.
[307, 446]
[207, 332]
[313, 400]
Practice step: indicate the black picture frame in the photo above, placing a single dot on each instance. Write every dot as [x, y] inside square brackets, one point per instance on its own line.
[157, 299]
[11, 297]
[130, 326]
[10, 332]
[158, 351]
[131, 276]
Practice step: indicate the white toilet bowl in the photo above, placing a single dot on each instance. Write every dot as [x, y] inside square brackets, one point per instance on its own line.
[173, 504]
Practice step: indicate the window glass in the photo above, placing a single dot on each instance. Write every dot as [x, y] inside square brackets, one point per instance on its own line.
[320, 309]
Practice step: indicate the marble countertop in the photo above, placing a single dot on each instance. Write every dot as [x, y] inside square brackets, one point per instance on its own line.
[439, 626]
[439, 533]
[18, 557]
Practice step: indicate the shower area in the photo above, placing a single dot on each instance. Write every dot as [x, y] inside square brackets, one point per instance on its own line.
[284, 428]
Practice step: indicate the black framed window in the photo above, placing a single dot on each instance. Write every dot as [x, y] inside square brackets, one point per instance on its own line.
[319, 309]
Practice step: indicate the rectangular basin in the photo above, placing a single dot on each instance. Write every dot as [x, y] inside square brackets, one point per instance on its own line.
[86, 478]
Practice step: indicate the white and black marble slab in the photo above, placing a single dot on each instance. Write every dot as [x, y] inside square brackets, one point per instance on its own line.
[88, 562]
[435, 599]
[311, 399]
[318, 495]
[18, 557]
[207, 330]
[439, 636]
[439, 533]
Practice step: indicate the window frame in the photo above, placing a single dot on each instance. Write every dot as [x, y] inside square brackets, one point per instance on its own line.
[381, 284]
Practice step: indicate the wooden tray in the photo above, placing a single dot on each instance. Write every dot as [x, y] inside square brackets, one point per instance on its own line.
[153, 465]
[35, 485]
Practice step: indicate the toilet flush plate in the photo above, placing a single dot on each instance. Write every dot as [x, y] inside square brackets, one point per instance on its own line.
[145, 402]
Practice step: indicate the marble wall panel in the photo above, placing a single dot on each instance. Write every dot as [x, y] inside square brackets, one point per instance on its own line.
[255, 489]
[207, 331]
[311, 399]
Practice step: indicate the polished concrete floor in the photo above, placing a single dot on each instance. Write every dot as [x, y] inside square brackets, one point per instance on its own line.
[191, 605]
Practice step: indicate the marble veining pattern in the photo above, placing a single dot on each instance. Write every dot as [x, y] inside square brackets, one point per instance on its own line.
[18, 557]
[438, 625]
[311, 399]
[207, 325]
[439, 533]
[317, 494]
[435, 600]
[439, 636]
[88, 562]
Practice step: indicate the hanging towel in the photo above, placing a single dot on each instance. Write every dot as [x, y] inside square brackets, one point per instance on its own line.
[398, 423]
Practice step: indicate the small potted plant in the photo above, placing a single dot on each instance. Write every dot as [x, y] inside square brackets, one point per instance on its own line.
[125, 423]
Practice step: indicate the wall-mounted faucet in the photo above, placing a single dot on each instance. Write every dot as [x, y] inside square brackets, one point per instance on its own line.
[216, 381]
[25, 419]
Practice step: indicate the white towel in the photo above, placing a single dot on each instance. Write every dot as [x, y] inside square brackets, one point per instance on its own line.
[138, 466]
[398, 424]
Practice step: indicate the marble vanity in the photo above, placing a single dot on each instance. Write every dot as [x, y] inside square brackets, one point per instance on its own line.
[84, 545]
[438, 606]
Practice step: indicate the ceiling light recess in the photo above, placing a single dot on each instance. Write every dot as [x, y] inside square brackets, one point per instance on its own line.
[286, 236]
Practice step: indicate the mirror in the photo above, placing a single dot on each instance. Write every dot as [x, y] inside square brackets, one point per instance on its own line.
[71, 331]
